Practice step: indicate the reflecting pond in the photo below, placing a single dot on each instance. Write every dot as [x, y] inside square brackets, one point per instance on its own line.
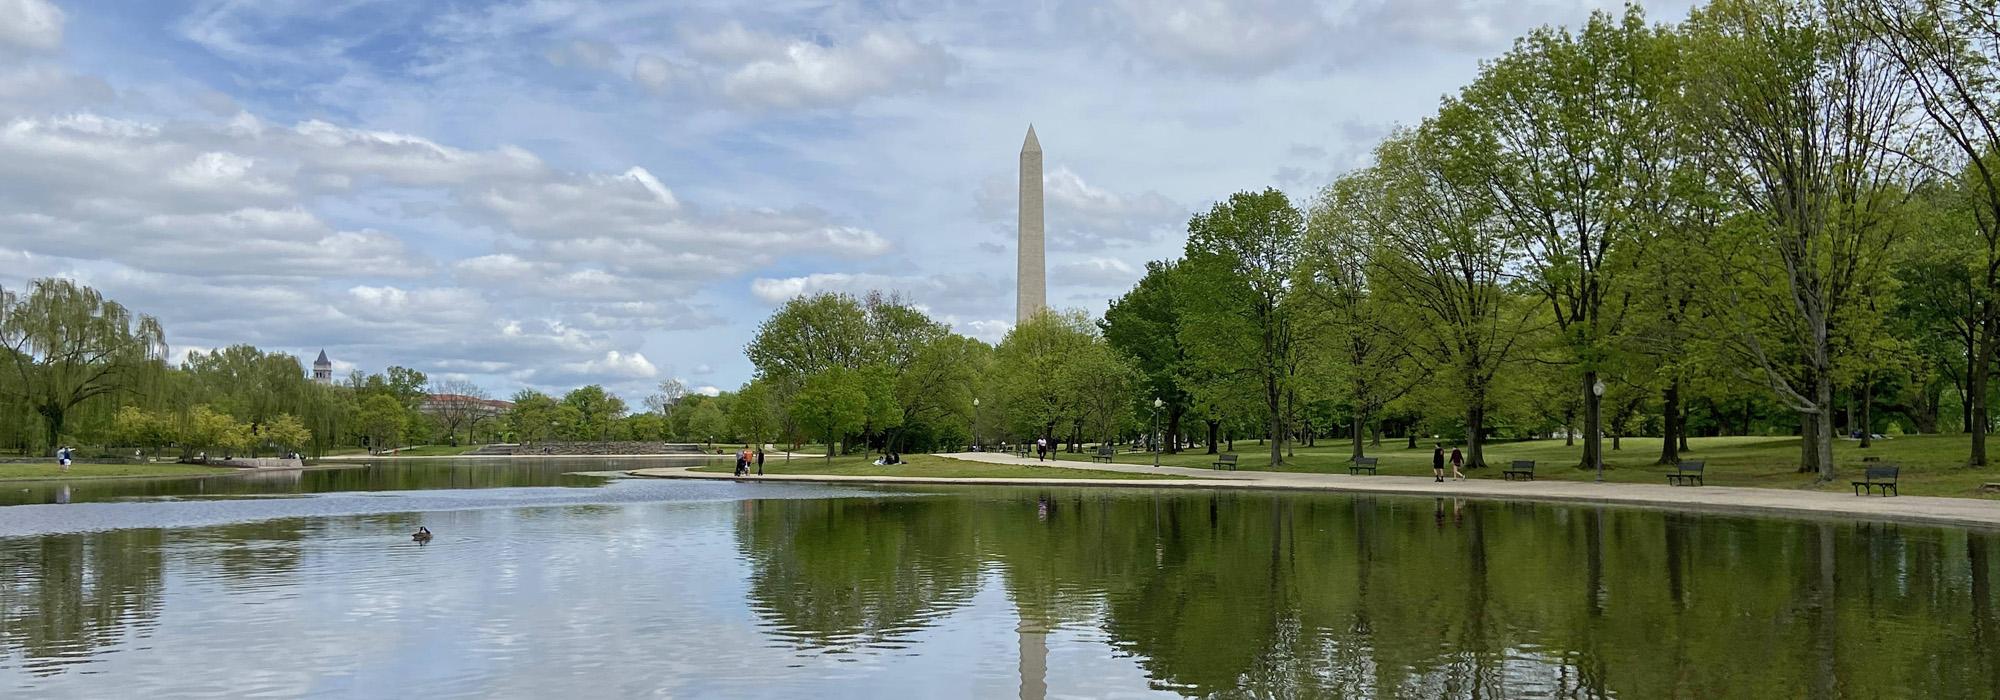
[639, 587]
[385, 475]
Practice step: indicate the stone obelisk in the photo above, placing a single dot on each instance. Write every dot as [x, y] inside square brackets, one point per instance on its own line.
[1031, 276]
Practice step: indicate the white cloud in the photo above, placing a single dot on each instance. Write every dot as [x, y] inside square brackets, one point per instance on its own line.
[31, 24]
[808, 74]
[1227, 36]
[659, 73]
[1079, 215]
[616, 365]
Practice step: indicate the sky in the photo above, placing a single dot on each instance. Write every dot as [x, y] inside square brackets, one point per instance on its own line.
[550, 193]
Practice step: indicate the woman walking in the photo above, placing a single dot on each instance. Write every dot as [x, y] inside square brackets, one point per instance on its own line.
[1457, 460]
[1437, 464]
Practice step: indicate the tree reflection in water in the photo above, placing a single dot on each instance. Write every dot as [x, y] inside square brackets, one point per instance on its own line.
[1276, 594]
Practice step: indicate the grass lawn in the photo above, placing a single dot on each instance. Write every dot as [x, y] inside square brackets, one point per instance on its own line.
[916, 466]
[1933, 465]
[41, 471]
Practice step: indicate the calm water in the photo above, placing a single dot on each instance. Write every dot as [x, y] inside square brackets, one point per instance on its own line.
[679, 589]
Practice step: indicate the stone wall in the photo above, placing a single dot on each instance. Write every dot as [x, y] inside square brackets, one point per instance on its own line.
[589, 449]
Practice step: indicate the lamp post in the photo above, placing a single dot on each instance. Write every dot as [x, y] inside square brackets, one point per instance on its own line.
[1597, 430]
[981, 444]
[1157, 403]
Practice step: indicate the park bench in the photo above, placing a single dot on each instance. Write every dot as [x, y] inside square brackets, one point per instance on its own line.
[1224, 460]
[1104, 453]
[1361, 464]
[1522, 468]
[1687, 473]
[1024, 450]
[1883, 477]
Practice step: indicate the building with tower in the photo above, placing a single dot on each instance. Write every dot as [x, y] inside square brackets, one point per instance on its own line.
[1031, 272]
[323, 369]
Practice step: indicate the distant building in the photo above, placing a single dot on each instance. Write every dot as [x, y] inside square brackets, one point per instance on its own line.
[323, 369]
[464, 405]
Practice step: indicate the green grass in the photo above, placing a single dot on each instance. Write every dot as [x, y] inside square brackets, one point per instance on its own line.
[917, 466]
[1933, 465]
[41, 471]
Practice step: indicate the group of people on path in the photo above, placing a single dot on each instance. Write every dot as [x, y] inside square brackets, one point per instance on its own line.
[1438, 462]
[746, 457]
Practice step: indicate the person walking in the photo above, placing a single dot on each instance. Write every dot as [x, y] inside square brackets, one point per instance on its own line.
[760, 461]
[62, 457]
[1041, 449]
[742, 466]
[1437, 464]
[1457, 460]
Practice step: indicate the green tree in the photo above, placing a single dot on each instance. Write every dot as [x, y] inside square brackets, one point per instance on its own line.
[1562, 138]
[533, 416]
[1944, 51]
[1441, 261]
[1810, 130]
[809, 335]
[754, 413]
[141, 428]
[596, 411]
[64, 344]
[1144, 325]
[1358, 335]
[381, 419]
[1241, 255]
[1028, 369]
[208, 430]
[287, 432]
[831, 404]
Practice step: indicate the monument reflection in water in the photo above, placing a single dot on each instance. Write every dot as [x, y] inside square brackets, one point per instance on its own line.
[1016, 593]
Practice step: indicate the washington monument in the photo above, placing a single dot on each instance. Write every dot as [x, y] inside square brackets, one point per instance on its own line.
[1032, 274]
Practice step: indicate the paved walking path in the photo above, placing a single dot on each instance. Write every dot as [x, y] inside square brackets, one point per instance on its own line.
[1953, 511]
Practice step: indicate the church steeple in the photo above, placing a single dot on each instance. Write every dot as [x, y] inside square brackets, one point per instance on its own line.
[323, 369]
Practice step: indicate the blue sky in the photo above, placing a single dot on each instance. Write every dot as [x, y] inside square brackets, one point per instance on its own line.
[549, 193]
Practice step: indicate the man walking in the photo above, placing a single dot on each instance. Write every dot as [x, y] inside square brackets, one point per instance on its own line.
[760, 461]
[1041, 449]
[1437, 464]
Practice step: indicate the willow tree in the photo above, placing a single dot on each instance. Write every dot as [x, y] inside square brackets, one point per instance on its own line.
[1948, 53]
[1442, 259]
[64, 344]
[1808, 129]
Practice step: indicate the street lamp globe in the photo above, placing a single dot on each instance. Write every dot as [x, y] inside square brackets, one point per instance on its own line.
[1158, 402]
[1598, 388]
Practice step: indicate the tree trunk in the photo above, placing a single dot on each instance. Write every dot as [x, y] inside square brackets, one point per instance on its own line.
[1670, 405]
[1411, 433]
[1823, 447]
[1475, 435]
[1214, 429]
[1360, 425]
[1173, 430]
[52, 423]
[1569, 427]
[1977, 378]
[1867, 426]
[1593, 423]
[1273, 402]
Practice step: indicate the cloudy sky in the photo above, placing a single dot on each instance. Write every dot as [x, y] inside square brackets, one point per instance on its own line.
[547, 193]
